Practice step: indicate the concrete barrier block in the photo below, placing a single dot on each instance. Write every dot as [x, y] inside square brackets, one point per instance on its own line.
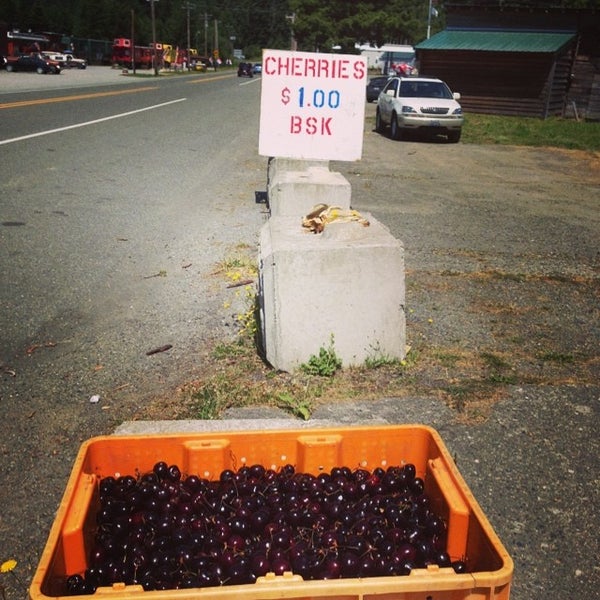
[277, 164]
[347, 282]
[294, 193]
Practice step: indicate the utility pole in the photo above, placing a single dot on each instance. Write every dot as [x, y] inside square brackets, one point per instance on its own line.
[133, 41]
[216, 46]
[206, 17]
[429, 20]
[433, 12]
[293, 44]
[188, 6]
[154, 59]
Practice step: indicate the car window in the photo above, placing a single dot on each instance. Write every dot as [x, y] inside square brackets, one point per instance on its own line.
[392, 84]
[410, 89]
[424, 89]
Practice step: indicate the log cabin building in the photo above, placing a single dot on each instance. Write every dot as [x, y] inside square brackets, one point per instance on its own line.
[518, 58]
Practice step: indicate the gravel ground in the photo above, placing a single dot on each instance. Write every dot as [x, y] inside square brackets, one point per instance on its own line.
[502, 267]
[17, 83]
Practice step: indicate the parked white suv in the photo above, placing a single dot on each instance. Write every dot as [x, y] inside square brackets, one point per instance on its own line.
[73, 62]
[66, 60]
[419, 104]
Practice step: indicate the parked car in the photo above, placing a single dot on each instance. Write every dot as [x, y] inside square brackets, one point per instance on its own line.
[374, 87]
[257, 68]
[73, 62]
[32, 62]
[200, 64]
[419, 104]
[61, 59]
[245, 70]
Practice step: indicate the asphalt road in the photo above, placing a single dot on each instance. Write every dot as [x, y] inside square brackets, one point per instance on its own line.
[131, 186]
[110, 233]
[119, 198]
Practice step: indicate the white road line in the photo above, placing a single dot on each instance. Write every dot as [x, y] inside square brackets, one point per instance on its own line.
[85, 124]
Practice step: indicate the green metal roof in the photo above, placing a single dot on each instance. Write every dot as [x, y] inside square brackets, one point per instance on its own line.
[496, 41]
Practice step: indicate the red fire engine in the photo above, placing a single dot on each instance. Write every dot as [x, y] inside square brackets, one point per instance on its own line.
[123, 50]
[13, 43]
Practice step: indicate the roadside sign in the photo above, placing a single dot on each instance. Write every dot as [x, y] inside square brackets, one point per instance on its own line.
[312, 105]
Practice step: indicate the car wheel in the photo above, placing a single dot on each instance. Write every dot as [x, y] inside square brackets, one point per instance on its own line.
[395, 132]
[454, 136]
[40, 70]
[379, 127]
[10, 68]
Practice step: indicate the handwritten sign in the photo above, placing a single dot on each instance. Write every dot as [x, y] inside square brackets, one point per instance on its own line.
[312, 105]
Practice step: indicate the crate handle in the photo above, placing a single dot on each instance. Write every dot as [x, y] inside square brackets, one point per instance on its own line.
[458, 509]
[119, 588]
[74, 522]
[271, 578]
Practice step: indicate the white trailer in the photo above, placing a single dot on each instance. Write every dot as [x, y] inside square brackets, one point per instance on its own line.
[384, 58]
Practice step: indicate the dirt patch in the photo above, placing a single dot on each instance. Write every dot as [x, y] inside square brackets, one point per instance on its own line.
[501, 279]
[483, 331]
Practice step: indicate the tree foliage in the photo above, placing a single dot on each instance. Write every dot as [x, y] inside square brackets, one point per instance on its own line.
[321, 26]
[247, 24]
[236, 23]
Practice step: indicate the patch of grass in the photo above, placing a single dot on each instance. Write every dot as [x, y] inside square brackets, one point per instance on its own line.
[208, 401]
[376, 362]
[240, 269]
[238, 265]
[377, 358]
[225, 350]
[527, 131]
[558, 357]
[237, 377]
[500, 370]
[494, 361]
[502, 379]
[248, 319]
[447, 359]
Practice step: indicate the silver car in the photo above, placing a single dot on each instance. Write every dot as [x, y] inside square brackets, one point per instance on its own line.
[419, 104]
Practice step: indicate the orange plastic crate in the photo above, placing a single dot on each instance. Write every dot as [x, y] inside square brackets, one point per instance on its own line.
[309, 450]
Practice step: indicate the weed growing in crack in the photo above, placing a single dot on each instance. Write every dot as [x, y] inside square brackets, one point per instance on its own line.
[325, 364]
[207, 402]
[248, 320]
[378, 358]
[299, 407]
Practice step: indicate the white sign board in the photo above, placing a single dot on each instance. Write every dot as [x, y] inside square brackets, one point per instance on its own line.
[312, 105]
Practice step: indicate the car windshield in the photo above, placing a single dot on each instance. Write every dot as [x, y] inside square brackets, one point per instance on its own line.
[424, 89]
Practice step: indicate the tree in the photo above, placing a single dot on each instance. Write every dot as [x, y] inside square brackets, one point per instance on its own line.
[321, 26]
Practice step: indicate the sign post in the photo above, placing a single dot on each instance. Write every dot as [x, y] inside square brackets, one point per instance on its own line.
[312, 105]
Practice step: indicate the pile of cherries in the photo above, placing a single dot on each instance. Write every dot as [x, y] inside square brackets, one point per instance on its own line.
[164, 531]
